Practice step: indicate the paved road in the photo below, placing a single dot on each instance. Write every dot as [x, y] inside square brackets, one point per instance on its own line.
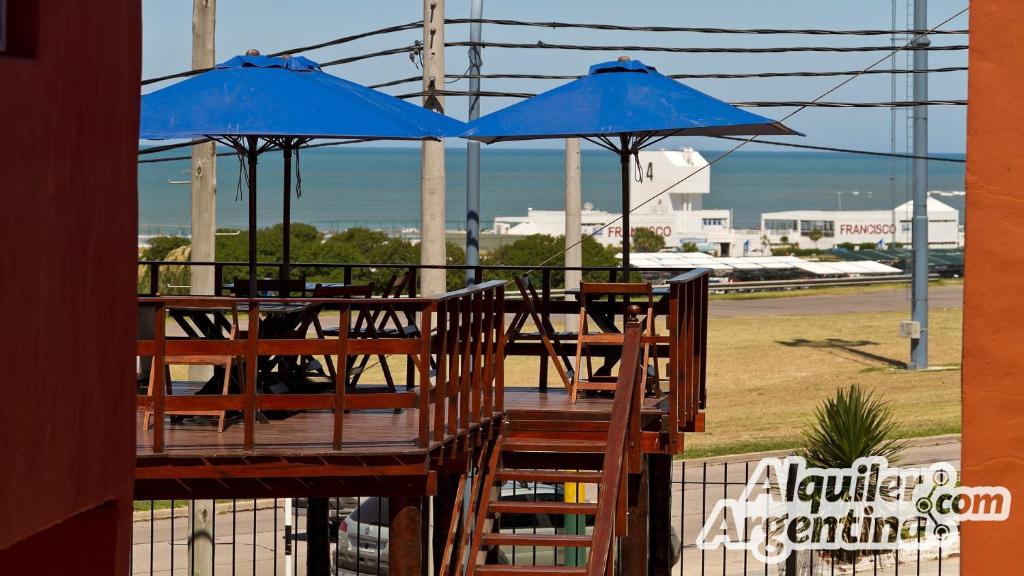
[894, 300]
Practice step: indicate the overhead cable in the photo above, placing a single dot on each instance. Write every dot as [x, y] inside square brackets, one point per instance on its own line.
[845, 150]
[753, 104]
[700, 49]
[700, 30]
[719, 75]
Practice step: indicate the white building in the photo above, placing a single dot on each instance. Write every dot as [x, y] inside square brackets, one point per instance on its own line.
[880, 227]
[677, 215]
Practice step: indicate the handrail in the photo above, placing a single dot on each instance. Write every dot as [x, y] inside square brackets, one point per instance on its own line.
[623, 446]
[688, 321]
[468, 396]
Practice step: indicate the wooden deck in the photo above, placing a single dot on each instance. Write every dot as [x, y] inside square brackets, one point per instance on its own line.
[379, 453]
[367, 432]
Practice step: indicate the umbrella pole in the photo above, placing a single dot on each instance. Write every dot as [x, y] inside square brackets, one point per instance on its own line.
[251, 157]
[624, 165]
[286, 226]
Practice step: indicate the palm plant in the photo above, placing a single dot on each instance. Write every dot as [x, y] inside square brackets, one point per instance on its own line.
[850, 425]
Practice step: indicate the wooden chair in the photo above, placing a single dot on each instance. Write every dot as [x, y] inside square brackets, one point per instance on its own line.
[590, 294]
[227, 363]
[547, 334]
[313, 317]
[386, 322]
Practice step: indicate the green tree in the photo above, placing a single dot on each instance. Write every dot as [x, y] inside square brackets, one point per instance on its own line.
[539, 249]
[160, 246]
[364, 246]
[689, 247]
[815, 234]
[645, 240]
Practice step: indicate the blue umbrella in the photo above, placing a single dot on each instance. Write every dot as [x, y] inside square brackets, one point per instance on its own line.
[623, 106]
[259, 103]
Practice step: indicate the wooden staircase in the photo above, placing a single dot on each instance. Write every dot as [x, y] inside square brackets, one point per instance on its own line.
[601, 448]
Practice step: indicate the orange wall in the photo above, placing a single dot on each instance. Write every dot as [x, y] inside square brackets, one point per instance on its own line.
[69, 106]
[993, 362]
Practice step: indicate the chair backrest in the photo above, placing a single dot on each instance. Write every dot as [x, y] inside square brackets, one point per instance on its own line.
[615, 293]
[292, 287]
[534, 304]
[395, 287]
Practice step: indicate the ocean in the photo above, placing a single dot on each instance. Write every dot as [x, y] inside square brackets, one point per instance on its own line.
[379, 187]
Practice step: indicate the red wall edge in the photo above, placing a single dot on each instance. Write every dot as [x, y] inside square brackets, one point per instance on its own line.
[993, 365]
[69, 107]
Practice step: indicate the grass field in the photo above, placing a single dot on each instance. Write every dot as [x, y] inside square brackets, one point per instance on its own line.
[766, 374]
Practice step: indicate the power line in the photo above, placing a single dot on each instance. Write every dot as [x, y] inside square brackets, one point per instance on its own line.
[720, 75]
[845, 150]
[752, 104]
[402, 50]
[334, 42]
[555, 25]
[700, 30]
[698, 50]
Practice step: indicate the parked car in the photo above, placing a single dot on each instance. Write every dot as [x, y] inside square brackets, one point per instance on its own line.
[363, 540]
[338, 509]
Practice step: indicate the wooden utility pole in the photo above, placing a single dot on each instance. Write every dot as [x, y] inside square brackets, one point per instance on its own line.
[432, 176]
[204, 224]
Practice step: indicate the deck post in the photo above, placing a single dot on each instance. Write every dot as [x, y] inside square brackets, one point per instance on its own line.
[405, 536]
[443, 509]
[659, 558]
[634, 546]
[318, 537]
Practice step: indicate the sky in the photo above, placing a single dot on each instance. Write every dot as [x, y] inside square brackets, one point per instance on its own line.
[274, 26]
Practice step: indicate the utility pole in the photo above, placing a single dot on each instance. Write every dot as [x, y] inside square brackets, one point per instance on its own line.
[204, 225]
[204, 160]
[432, 176]
[573, 217]
[919, 309]
[476, 12]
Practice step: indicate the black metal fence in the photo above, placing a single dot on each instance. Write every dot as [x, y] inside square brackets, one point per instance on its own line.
[268, 537]
[697, 485]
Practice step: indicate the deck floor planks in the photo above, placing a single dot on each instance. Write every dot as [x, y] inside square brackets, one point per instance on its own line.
[376, 432]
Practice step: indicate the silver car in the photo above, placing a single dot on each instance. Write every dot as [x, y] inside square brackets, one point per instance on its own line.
[363, 537]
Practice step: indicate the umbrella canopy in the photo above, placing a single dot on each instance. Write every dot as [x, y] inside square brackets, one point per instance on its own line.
[623, 106]
[283, 97]
[259, 103]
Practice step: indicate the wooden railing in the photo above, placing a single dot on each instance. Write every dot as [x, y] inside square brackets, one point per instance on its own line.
[623, 452]
[688, 329]
[465, 349]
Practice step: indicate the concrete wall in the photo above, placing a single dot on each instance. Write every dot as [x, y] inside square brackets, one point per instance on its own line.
[69, 107]
[993, 366]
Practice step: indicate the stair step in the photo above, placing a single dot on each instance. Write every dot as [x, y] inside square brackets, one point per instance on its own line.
[528, 539]
[548, 476]
[553, 445]
[532, 507]
[504, 569]
[570, 434]
[518, 424]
